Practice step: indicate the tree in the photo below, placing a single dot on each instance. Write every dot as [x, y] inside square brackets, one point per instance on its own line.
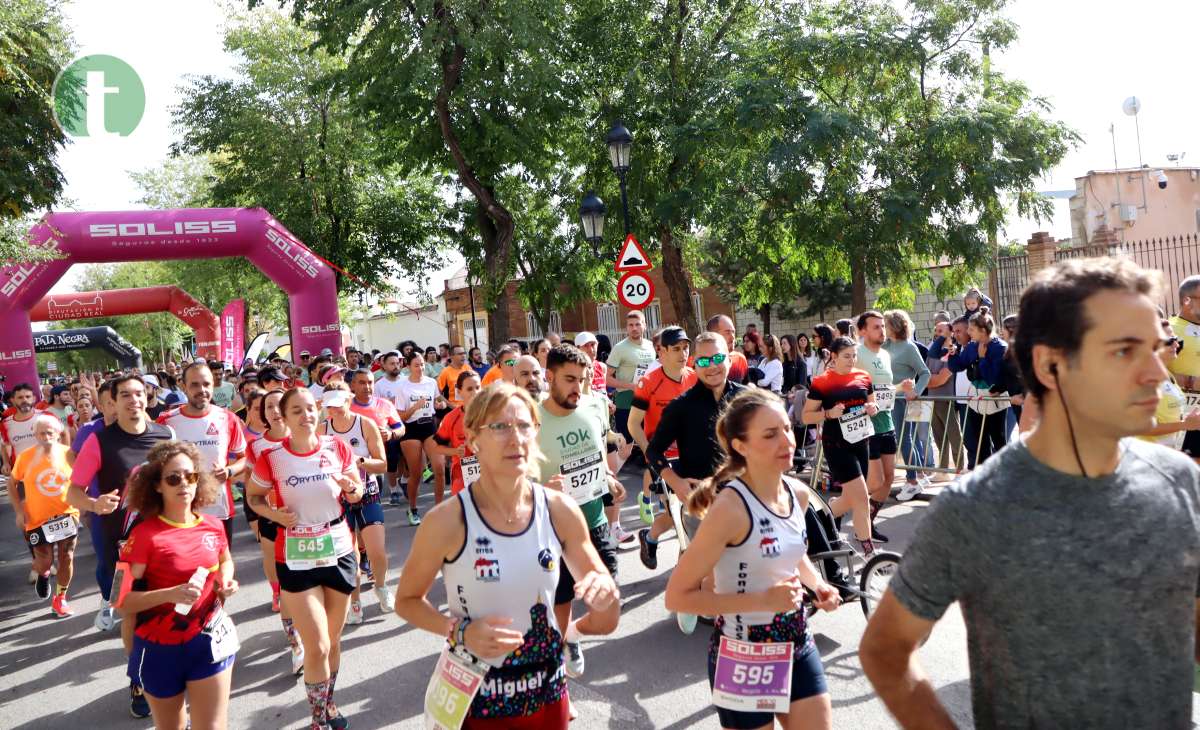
[488, 92]
[34, 45]
[928, 144]
[283, 137]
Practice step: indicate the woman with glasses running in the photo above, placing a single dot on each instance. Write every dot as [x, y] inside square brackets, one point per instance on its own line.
[308, 476]
[177, 575]
[841, 401]
[484, 542]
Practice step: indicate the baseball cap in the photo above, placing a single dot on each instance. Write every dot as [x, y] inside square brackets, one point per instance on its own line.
[330, 372]
[326, 352]
[270, 372]
[672, 336]
[305, 353]
[335, 398]
[172, 398]
[57, 389]
[151, 380]
[584, 338]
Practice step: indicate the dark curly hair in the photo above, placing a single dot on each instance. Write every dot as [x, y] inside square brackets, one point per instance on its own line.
[143, 494]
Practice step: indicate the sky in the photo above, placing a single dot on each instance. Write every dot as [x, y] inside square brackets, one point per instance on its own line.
[1084, 56]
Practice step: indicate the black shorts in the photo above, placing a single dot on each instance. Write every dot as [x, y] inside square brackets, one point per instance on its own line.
[604, 544]
[228, 525]
[419, 430]
[37, 536]
[391, 449]
[1191, 444]
[251, 515]
[342, 577]
[847, 462]
[882, 444]
[267, 530]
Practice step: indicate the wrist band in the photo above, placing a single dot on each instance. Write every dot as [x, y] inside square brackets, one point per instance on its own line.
[453, 632]
[462, 632]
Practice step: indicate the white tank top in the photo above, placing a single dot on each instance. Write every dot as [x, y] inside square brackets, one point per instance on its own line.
[768, 555]
[508, 575]
[353, 436]
[19, 434]
[304, 482]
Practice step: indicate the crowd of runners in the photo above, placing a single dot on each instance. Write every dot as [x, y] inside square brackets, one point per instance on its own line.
[1026, 419]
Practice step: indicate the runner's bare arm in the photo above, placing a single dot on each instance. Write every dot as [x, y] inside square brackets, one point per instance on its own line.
[17, 495]
[637, 417]
[439, 538]
[594, 585]
[377, 463]
[813, 414]
[688, 591]
[256, 497]
[888, 654]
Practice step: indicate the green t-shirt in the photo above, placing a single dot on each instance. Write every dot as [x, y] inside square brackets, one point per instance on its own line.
[223, 394]
[629, 361]
[879, 366]
[574, 446]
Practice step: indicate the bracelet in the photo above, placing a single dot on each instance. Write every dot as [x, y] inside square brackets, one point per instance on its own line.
[462, 632]
[453, 632]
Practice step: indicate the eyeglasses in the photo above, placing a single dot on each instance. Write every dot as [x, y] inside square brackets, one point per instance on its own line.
[503, 430]
[719, 358]
[178, 478]
[509, 363]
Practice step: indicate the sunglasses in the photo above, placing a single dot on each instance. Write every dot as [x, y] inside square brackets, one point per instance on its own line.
[174, 480]
[509, 363]
[719, 358]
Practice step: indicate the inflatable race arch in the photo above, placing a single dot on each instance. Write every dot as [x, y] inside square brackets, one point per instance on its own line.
[104, 338]
[118, 302]
[187, 233]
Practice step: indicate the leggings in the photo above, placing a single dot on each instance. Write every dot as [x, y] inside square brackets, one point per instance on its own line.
[995, 433]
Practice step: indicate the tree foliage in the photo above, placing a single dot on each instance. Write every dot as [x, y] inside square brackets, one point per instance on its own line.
[281, 136]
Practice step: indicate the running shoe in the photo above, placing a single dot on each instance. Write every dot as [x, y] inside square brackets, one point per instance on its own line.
[60, 607]
[909, 490]
[42, 586]
[138, 706]
[621, 535]
[106, 619]
[687, 622]
[866, 547]
[355, 616]
[385, 600]
[426, 475]
[274, 602]
[573, 659]
[648, 551]
[298, 659]
[394, 500]
[413, 518]
[338, 722]
[878, 536]
[645, 509]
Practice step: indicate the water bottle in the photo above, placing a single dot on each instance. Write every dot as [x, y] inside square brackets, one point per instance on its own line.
[198, 578]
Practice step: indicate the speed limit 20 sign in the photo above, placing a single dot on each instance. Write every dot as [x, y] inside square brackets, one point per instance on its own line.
[635, 290]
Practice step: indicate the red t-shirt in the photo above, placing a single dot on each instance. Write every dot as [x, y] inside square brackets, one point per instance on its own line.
[453, 433]
[171, 553]
[652, 395]
[830, 388]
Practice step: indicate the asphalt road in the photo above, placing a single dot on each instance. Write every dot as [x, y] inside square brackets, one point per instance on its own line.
[65, 674]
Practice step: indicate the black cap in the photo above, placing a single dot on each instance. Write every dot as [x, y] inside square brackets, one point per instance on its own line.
[271, 372]
[672, 336]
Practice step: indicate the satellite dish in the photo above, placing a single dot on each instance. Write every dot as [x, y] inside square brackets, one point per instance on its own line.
[1132, 106]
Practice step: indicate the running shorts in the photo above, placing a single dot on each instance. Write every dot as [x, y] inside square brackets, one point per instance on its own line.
[342, 577]
[163, 670]
[847, 463]
[37, 536]
[607, 548]
[419, 430]
[808, 680]
[364, 514]
[882, 444]
[1191, 444]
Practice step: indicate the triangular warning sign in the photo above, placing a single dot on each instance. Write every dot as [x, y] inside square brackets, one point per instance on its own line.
[632, 257]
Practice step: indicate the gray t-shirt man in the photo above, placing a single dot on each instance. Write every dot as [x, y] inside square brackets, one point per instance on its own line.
[1079, 595]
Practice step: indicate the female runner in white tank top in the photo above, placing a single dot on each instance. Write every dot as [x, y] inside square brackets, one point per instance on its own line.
[753, 541]
[308, 476]
[498, 545]
[366, 517]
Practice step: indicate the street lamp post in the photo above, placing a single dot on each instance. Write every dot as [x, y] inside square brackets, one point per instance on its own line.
[591, 213]
[620, 144]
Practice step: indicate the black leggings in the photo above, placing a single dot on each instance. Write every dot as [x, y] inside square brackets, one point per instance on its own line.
[995, 433]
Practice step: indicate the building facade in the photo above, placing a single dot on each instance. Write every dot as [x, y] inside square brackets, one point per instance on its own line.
[1130, 202]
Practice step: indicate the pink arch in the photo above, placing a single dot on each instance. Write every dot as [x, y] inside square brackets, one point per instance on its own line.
[168, 234]
[205, 324]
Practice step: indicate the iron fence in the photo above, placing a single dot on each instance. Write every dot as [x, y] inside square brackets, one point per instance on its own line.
[1176, 257]
[1012, 274]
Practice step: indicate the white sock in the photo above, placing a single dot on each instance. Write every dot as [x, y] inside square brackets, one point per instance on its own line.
[572, 635]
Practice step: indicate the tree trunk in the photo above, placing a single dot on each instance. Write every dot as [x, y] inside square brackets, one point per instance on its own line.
[764, 312]
[676, 279]
[858, 294]
[494, 288]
